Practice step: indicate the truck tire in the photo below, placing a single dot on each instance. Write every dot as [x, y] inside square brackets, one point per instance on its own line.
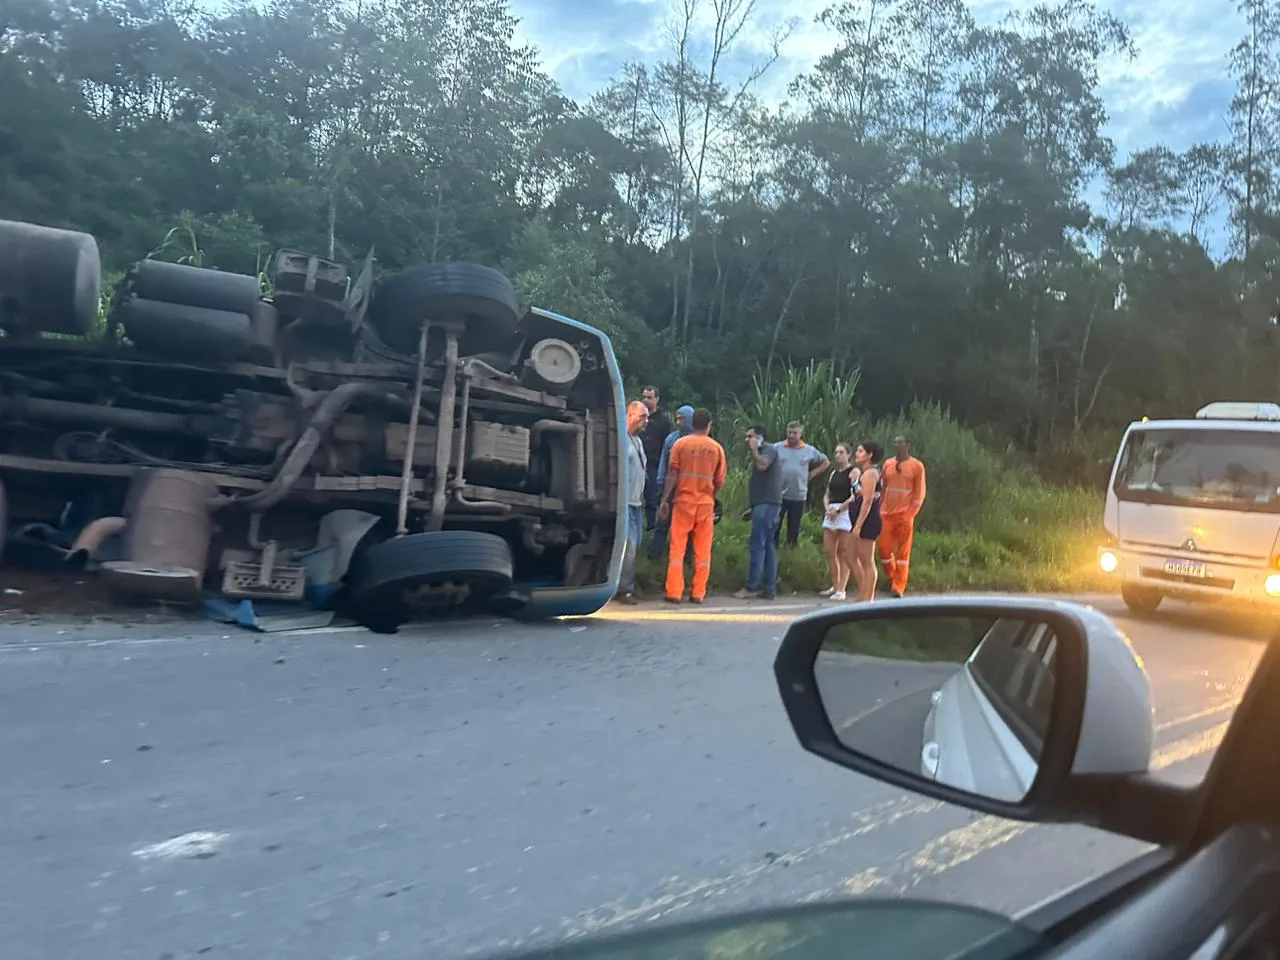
[391, 581]
[50, 279]
[1140, 599]
[480, 296]
[194, 286]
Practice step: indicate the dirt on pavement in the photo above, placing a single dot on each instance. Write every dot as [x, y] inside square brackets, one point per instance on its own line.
[70, 595]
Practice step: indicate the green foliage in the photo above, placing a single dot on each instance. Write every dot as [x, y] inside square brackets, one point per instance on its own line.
[988, 524]
[916, 213]
[1039, 552]
[814, 394]
[556, 270]
[937, 639]
[965, 479]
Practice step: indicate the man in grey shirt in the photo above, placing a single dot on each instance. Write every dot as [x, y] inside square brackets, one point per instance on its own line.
[764, 491]
[799, 463]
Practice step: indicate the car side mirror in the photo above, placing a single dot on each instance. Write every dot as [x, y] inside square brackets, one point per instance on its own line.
[994, 704]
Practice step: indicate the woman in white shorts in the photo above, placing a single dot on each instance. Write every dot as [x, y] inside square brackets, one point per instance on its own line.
[837, 525]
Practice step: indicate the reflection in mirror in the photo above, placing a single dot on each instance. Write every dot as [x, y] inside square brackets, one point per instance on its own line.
[964, 701]
[898, 929]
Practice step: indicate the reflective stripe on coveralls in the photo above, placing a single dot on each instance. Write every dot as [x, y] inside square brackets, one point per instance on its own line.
[699, 521]
[699, 464]
[904, 493]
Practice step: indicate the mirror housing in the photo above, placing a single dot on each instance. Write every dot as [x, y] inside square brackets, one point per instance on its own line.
[1100, 730]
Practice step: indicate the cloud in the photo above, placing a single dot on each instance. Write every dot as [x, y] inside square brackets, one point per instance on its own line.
[1175, 91]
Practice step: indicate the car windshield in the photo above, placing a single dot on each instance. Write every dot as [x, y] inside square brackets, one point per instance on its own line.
[1228, 469]
[865, 929]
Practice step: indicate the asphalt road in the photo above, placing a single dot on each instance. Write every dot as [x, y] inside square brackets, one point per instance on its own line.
[175, 793]
[879, 706]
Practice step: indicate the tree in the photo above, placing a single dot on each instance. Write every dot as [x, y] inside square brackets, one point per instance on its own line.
[916, 213]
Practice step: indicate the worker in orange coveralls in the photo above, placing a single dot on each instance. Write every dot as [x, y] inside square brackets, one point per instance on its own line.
[695, 474]
[899, 505]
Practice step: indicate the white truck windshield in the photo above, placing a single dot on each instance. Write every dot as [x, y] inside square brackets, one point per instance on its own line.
[1226, 469]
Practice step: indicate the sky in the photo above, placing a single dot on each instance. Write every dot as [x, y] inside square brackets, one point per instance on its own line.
[1175, 91]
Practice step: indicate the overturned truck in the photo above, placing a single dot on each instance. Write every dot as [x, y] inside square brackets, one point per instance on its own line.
[391, 450]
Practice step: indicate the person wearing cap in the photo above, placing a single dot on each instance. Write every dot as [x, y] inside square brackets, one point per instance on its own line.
[662, 528]
[904, 492]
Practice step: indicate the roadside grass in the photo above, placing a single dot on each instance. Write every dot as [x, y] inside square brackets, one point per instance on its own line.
[1031, 538]
[926, 639]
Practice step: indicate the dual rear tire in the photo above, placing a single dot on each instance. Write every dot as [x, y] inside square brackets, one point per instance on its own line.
[392, 582]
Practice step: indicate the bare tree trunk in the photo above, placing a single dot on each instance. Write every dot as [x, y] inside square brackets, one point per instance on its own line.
[782, 316]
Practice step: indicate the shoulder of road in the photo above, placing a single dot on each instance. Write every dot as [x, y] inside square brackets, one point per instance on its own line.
[799, 602]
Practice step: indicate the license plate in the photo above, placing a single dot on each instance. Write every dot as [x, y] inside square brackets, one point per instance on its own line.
[1185, 568]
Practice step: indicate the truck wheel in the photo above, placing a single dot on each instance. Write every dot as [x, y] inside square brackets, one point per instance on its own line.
[393, 581]
[1140, 599]
[480, 296]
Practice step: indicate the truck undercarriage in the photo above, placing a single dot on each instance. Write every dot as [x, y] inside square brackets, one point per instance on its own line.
[392, 451]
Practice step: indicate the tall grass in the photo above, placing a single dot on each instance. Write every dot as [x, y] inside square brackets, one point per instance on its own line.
[817, 395]
[965, 479]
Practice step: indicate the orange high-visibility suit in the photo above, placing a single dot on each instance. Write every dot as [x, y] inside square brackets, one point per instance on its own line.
[904, 490]
[698, 464]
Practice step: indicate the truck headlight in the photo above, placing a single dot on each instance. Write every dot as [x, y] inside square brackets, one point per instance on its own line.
[1109, 562]
[1272, 585]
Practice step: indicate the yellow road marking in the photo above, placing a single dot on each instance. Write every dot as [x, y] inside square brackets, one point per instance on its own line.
[951, 849]
[686, 894]
[940, 854]
[1200, 714]
[1188, 748]
[693, 615]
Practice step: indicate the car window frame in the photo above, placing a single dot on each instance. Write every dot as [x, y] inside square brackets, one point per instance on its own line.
[1017, 654]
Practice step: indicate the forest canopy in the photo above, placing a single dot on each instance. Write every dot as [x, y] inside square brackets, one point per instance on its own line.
[915, 211]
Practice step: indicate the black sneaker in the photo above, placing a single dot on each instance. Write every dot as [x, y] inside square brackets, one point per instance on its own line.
[895, 594]
[630, 599]
[768, 596]
[671, 599]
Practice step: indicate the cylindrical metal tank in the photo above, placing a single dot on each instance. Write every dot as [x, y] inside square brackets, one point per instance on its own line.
[194, 286]
[166, 537]
[50, 279]
[169, 523]
[265, 323]
[184, 332]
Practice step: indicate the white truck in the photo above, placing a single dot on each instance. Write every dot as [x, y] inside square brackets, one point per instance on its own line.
[1193, 508]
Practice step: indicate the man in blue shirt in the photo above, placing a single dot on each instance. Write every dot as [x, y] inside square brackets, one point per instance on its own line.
[684, 425]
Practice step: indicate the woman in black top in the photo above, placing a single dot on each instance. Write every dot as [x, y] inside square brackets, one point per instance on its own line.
[836, 521]
[866, 513]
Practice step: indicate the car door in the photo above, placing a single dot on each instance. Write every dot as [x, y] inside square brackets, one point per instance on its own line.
[1212, 892]
[1011, 675]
